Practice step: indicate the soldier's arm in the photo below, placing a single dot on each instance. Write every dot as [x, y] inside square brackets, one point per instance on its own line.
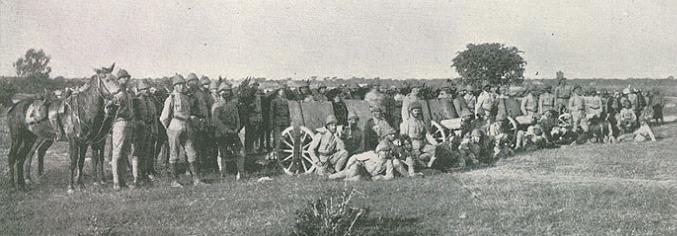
[165, 116]
[523, 106]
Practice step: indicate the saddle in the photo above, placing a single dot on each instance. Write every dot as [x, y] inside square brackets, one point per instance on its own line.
[43, 118]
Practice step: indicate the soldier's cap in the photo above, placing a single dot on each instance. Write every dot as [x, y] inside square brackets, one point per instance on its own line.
[122, 73]
[214, 85]
[387, 131]
[577, 87]
[476, 133]
[331, 119]
[178, 79]
[143, 85]
[225, 86]
[204, 80]
[191, 77]
[415, 105]
[352, 115]
[375, 109]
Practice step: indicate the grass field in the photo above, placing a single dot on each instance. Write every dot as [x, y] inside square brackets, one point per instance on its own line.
[615, 189]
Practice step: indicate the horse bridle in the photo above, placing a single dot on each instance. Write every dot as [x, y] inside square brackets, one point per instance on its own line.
[108, 95]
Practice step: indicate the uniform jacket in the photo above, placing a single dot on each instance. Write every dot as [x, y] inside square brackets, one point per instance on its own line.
[279, 112]
[125, 102]
[470, 100]
[325, 143]
[577, 103]
[414, 128]
[546, 102]
[200, 105]
[563, 91]
[176, 107]
[485, 103]
[225, 117]
[529, 104]
[373, 131]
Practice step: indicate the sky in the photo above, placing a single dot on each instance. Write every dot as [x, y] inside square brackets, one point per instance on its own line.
[299, 39]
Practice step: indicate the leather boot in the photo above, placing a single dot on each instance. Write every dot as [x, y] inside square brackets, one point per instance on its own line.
[175, 176]
[196, 176]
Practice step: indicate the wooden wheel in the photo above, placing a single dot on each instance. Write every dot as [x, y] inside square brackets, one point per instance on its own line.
[437, 133]
[564, 119]
[295, 164]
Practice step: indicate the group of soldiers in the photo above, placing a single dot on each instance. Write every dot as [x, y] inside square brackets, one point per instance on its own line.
[201, 119]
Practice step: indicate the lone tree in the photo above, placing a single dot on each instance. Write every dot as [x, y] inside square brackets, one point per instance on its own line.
[33, 65]
[492, 63]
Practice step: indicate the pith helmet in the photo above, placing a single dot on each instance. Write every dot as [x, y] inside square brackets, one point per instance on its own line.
[415, 105]
[387, 131]
[143, 85]
[178, 79]
[214, 85]
[225, 86]
[476, 133]
[331, 119]
[122, 73]
[204, 80]
[191, 77]
[351, 115]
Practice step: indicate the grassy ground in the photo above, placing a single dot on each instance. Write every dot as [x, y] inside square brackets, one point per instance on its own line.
[616, 189]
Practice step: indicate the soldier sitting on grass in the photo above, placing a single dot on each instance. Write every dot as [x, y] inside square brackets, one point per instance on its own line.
[327, 149]
[375, 165]
[470, 148]
[532, 139]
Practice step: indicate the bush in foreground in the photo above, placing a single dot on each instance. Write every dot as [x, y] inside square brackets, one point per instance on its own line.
[328, 216]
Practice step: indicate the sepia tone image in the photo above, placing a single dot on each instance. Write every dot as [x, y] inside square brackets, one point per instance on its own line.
[298, 117]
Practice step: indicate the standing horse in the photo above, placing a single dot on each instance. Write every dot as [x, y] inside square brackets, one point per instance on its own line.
[84, 119]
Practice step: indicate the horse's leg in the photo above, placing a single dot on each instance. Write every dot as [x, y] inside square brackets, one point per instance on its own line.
[98, 161]
[82, 151]
[73, 152]
[41, 155]
[17, 142]
[29, 159]
[20, 161]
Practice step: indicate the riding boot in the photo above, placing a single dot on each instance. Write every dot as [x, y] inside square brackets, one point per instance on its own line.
[196, 176]
[175, 175]
[116, 171]
[135, 172]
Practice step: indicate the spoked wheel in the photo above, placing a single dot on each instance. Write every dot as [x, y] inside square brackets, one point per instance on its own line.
[437, 132]
[295, 165]
[564, 119]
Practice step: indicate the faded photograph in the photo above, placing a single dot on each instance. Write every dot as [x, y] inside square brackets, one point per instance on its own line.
[447, 117]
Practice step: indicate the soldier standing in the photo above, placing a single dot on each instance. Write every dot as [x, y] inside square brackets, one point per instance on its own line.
[470, 98]
[577, 109]
[485, 104]
[226, 121]
[209, 151]
[279, 116]
[175, 117]
[122, 131]
[409, 99]
[546, 101]
[254, 118]
[145, 131]
[529, 104]
[199, 117]
[562, 93]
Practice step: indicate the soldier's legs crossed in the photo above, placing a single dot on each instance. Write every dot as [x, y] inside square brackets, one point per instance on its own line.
[339, 159]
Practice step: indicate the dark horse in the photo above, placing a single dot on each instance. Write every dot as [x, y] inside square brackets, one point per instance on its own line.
[83, 119]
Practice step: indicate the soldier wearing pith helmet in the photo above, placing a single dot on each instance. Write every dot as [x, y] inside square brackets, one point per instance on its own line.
[176, 117]
[122, 129]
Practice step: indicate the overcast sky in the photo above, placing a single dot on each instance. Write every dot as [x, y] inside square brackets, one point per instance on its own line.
[389, 39]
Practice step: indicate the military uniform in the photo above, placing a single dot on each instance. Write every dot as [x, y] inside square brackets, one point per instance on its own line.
[485, 105]
[416, 129]
[226, 122]
[546, 102]
[529, 105]
[374, 129]
[577, 110]
[595, 106]
[199, 114]
[406, 103]
[470, 100]
[563, 94]
[353, 136]
[145, 132]
[279, 118]
[327, 149]
[122, 132]
[254, 121]
[176, 118]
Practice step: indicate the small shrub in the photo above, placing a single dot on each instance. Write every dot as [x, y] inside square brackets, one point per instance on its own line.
[328, 216]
